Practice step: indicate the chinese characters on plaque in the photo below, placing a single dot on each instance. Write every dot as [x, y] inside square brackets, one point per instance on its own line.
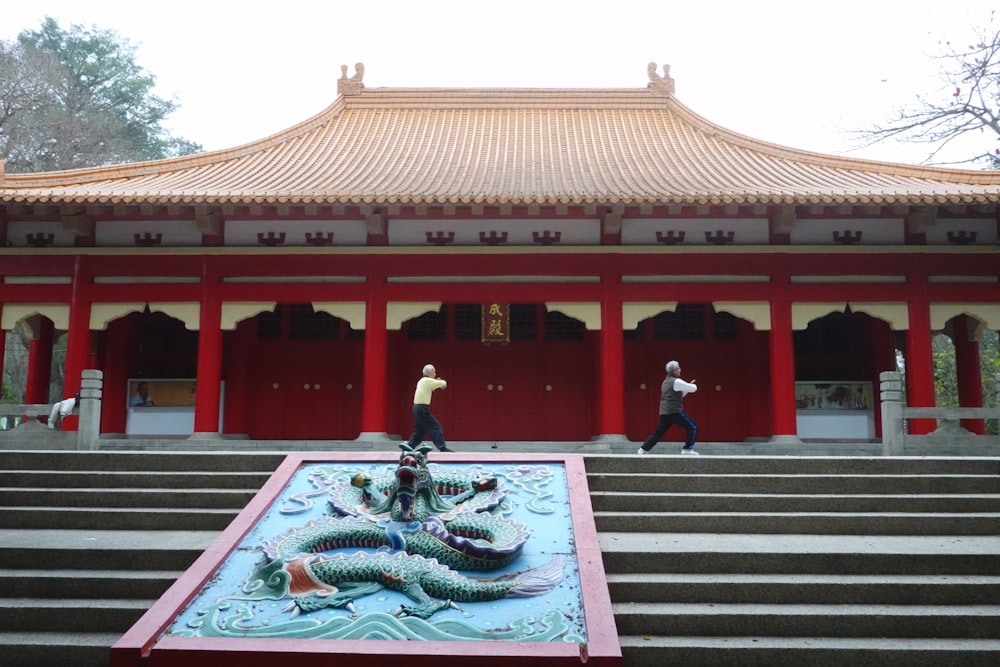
[496, 322]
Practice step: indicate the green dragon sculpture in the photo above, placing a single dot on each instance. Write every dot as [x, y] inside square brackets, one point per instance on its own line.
[424, 531]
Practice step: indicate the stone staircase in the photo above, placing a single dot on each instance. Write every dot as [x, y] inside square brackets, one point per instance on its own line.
[711, 560]
[89, 540]
[801, 561]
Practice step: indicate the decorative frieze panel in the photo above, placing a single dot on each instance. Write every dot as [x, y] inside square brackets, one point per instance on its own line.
[296, 233]
[848, 231]
[147, 233]
[695, 231]
[39, 234]
[963, 231]
[490, 232]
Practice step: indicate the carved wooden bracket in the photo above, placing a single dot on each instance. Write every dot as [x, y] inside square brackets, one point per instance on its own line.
[147, 239]
[546, 237]
[40, 240]
[493, 238]
[440, 238]
[319, 239]
[271, 239]
[847, 237]
[670, 238]
[961, 237]
[719, 237]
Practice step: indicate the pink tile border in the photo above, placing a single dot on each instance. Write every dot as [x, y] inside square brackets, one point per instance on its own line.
[139, 646]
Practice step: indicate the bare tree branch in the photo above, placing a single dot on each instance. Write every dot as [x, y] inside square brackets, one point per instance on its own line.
[969, 102]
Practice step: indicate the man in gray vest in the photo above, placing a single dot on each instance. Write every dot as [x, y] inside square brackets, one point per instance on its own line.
[672, 393]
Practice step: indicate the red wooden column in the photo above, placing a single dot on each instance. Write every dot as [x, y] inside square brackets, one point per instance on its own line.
[207, 397]
[611, 382]
[3, 344]
[373, 412]
[968, 370]
[40, 362]
[78, 338]
[782, 357]
[919, 363]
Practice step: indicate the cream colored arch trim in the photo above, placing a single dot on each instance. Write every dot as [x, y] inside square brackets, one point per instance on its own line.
[758, 312]
[588, 313]
[633, 313]
[187, 312]
[804, 313]
[896, 314]
[101, 314]
[15, 312]
[397, 312]
[988, 315]
[234, 312]
[352, 311]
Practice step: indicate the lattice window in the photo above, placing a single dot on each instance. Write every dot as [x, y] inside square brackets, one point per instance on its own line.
[468, 321]
[429, 326]
[523, 321]
[560, 327]
[269, 324]
[725, 326]
[687, 322]
[305, 324]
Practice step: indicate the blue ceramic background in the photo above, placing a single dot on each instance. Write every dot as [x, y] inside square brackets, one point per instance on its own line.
[537, 496]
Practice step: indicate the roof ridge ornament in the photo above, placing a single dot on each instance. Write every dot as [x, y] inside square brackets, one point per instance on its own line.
[352, 85]
[659, 85]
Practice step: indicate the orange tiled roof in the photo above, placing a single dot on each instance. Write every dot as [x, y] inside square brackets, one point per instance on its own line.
[487, 146]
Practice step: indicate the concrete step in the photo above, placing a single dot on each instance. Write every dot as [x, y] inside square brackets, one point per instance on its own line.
[741, 651]
[795, 484]
[127, 497]
[223, 462]
[138, 584]
[89, 479]
[791, 465]
[98, 518]
[808, 620]
[627, 501]
[816, 523]
[74, 549]
[37, 649]
[71, 615]
[804, 588]
[704, 553]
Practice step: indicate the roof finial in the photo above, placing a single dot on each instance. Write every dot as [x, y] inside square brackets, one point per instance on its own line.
[659, 85]
[353, 85]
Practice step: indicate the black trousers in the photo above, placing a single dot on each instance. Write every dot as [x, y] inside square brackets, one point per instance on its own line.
[666, 421]
[425, 423]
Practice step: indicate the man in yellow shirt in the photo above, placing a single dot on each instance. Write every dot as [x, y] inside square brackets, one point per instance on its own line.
[424, 422]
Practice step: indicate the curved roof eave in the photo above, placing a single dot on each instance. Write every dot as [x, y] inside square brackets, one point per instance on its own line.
[516, 146]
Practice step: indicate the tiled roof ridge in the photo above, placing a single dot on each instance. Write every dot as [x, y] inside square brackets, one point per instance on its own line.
[499, 98]
[520, 145]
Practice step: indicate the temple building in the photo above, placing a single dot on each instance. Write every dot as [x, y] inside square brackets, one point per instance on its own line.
[548, 250]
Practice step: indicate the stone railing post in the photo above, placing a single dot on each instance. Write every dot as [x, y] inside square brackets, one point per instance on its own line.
[996, 386]
[91, 393]
[891, 393]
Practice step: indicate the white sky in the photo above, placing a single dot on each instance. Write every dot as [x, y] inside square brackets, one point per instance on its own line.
[799, 74]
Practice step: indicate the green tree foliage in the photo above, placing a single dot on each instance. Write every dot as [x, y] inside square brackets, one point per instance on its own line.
[946, 376]
[77, 98]
[966, 106]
